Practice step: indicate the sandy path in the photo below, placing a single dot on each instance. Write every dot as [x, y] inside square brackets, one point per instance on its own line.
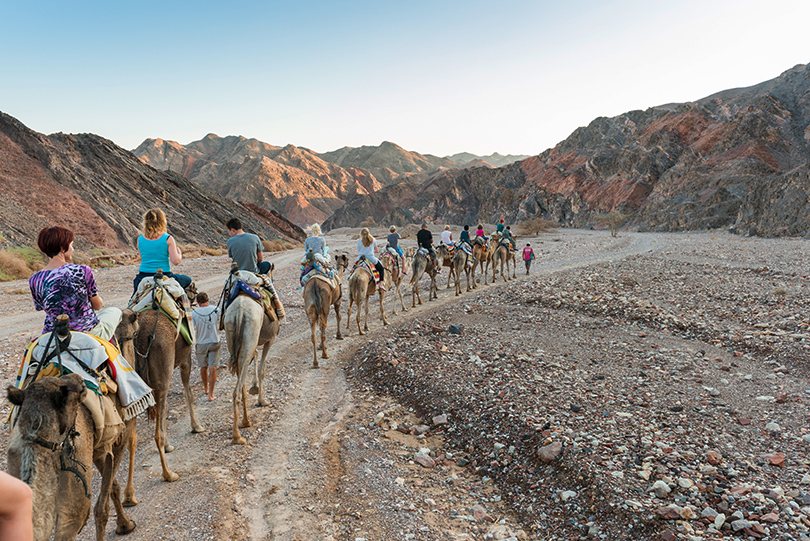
[269, 488]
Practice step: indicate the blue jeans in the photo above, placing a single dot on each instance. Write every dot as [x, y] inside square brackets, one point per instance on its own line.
[264, 267]
[182, 279]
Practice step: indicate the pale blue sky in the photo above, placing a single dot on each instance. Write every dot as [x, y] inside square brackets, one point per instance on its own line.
[435, 77]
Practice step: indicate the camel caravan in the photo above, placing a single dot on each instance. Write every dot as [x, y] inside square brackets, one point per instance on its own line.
[77, 397]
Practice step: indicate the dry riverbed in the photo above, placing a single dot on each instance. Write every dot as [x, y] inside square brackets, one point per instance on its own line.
[650, 386]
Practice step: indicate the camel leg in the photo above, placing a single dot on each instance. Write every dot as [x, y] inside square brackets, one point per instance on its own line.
[399, 292]
[337, 318]
[132, 446]
[382, 308]
[415, 294]
[245, 421]
[324, 353]
[124, 524]
[160, 438]
[314, 342]
[359, 313]
[238, 394]
[262, 368]
[185, 377]
[349, 317]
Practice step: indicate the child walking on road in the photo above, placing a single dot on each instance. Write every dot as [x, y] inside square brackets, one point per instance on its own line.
[207, 346]
[528, 255]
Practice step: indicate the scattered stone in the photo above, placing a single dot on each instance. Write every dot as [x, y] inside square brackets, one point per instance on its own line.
[661, 489]
[714, 458]
[424, 460]
[455, 329]
[440, 419]
[551, 452]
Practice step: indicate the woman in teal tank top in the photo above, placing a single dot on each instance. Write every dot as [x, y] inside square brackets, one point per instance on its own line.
[158, 250]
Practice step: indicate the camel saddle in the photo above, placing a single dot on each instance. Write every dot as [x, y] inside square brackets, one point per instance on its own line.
[365, 264]
[256, 286]
[166, 296]
[399, 261]
[102, 368]
[317, 268]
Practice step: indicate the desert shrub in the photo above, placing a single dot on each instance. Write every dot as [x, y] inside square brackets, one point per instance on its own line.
[20, 262]
[213, 251]
[537, 225]
[368, 222]
[613, 221]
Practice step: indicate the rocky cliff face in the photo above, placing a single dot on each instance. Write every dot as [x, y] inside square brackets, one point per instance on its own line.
[100, 191]
[734, 159]
[290, 180]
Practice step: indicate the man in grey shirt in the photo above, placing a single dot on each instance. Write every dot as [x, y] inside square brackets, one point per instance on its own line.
[245, 248]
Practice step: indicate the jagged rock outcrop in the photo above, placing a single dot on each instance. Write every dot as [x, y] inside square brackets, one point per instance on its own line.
[290, 180]
[465, 159]
[734, 159]
[100, 191]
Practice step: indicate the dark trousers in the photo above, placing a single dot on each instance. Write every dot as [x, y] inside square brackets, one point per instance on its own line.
[264, 267]
[381, 270]
[182, 279]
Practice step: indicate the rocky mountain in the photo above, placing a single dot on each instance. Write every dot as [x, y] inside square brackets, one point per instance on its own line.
[388, 162]
[465, 159]
[737, 159]
[292, 181]
[100, 191]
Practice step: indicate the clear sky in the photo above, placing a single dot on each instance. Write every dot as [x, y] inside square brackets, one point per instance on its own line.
[435, 77]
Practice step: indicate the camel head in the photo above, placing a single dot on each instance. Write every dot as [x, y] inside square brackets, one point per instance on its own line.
[341, 262]
[125, 334]
[47, 411]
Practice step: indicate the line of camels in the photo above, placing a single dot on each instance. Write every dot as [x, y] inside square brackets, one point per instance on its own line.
[53, 442]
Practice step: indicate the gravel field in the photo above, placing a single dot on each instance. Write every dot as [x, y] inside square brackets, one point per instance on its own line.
[649, 386]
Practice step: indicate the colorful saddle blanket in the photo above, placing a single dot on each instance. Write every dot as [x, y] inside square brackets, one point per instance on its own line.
[397, 259]
[87, 355]
[168, 297]
[366, 265]
[466, 247]
[256, 286]
[316, 268]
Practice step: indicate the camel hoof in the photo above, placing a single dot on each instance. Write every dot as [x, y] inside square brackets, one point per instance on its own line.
[172, 477]
[239, 441]
[130, 502]
[197, 429]
[168, 448]
[262, 403]
[338, 337]
[316, 365]
[325, 355]
[245, 424]
[254, 390]
[125, 529]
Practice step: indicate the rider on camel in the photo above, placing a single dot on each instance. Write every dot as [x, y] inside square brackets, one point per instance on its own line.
[393, 242]
[367, 247]
[424, 238]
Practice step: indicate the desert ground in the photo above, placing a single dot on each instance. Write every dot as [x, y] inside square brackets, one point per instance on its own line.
[647, 386]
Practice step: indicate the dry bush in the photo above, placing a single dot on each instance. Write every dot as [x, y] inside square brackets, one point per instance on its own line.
[214, 251]
[613, 221]
[536, 226]
[273, 245]
[368, 222]
[13, 267]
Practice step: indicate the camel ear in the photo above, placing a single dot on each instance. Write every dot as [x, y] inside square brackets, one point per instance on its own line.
[15, 396]
[131, 316]
[73, 384]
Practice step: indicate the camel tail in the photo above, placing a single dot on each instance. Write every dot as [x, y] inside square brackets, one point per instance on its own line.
[233, 362]
[320, 305]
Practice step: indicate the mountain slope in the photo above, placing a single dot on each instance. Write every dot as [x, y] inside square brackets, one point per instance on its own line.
[738, 158]
[291, 180]
[101, 191]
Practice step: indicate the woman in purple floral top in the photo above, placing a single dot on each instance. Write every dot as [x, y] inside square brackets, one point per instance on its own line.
[63, 287]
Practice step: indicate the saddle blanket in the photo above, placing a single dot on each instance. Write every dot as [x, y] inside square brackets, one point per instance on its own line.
[397, 259]
[133, 393]
[317, 268]
[366, 265]
[169, 298]
[261, 290]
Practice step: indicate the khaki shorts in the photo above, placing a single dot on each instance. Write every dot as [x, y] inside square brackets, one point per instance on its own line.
[207, 354]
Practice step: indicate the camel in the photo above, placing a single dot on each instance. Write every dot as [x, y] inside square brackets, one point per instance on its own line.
[125, 336]
[419, 266]
[482, 260]
[461, 263]
[159, 349]
[51, 448]
[319, 295]
[394, 277]
[443, 255]
[247, 327]
[361, 287]
[501, 254]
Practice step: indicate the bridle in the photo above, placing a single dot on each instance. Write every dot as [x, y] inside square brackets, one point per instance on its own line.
[67, 456]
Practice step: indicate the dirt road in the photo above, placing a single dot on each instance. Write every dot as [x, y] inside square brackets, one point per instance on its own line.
[276, 486]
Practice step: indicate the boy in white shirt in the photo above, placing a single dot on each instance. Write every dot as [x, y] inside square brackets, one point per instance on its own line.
[207, 344]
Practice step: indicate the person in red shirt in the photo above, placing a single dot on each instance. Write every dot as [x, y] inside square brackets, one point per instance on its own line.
[528, 255]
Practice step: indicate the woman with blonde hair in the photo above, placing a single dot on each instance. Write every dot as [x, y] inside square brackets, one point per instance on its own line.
[158, 250]
[367, 247]
[317, 244]
[447, 236]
